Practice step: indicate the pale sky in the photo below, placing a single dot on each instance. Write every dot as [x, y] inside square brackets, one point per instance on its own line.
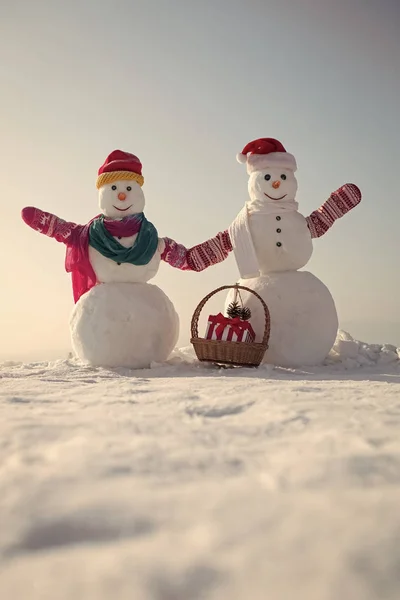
[185, 85]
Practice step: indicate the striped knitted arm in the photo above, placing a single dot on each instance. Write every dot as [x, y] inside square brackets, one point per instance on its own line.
[199, 257]
[48, 224]
[338, 204]
[209, 253]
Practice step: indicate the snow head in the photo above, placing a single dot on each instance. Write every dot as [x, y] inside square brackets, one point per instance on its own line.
[121, 199]
[272, 184]
[271, 171]
[120, 183]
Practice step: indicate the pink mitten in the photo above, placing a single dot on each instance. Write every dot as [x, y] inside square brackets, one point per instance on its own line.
[338, 204]
[48, 224]
[200, 257]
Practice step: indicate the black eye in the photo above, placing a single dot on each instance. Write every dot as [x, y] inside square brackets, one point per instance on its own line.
[129, 187]
[113, 187]
[283, 177]
[267, 177]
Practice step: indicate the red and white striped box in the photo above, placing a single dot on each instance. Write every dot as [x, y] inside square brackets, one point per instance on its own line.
[230, 330]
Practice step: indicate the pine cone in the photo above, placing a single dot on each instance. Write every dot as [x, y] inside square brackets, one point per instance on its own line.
[234, 310]
[245, 313]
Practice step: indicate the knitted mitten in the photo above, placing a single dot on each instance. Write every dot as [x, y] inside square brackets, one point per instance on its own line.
[175, 254]
[199, 257]
[48, 224]
[338, 204]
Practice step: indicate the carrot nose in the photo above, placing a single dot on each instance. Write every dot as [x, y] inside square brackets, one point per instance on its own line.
[276, 184]
[121, 196]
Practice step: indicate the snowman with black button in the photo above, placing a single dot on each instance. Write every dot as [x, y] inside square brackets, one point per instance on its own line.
[271, 241]
[119, 319]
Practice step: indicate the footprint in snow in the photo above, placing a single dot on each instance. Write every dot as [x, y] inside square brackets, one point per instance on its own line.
[217, 412]
[68, 531]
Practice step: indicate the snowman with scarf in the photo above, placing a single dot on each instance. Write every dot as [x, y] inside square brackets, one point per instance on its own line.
[271, 241]
[119, 320]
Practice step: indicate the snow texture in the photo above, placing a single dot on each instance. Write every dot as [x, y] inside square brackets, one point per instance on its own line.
[188, 482]
[124, 325]
[304, 321]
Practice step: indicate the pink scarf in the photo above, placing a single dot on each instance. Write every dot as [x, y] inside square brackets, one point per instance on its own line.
[77, 258]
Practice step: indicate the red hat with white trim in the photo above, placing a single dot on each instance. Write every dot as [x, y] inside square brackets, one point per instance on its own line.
[266, 153]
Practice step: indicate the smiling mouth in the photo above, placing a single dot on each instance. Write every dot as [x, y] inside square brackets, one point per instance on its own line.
[281, 198]
[122, 209]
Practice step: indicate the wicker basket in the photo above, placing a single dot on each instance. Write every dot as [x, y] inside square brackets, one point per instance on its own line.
[241, 354]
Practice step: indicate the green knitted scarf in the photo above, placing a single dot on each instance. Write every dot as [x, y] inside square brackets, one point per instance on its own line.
[142, 250]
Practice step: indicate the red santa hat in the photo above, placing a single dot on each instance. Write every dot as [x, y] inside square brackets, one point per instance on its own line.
[266, 153]
[120, 165]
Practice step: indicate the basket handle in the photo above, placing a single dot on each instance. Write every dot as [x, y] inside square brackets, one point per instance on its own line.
[196, 314]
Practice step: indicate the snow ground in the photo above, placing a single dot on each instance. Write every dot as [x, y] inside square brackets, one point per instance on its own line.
[186, 482]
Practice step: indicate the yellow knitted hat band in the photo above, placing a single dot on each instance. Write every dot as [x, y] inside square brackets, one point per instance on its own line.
[112, 176]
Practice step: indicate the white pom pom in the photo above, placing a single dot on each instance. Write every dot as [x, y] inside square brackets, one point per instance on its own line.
[241, 158]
